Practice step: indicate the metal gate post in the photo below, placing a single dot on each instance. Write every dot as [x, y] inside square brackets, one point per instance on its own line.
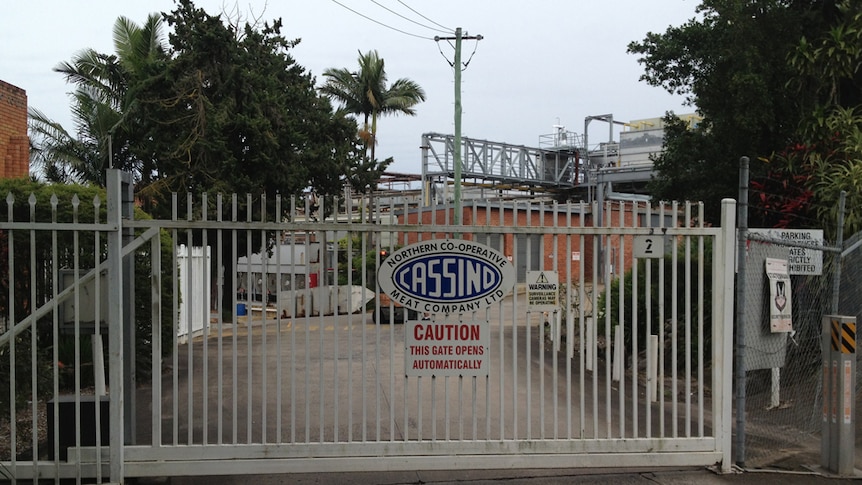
[722, 304]
[839, 394]
[115, 319]
[127, 212]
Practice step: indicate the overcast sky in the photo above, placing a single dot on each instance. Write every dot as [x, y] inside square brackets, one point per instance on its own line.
[540, 63]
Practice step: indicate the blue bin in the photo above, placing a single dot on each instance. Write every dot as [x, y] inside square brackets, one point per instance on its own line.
[240, 309]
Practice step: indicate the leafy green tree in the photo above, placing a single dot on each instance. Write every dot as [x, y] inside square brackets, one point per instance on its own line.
[100, 103]
[731, 64]
[365, 93]
[829, 142]
[232, 112]
[229, 111]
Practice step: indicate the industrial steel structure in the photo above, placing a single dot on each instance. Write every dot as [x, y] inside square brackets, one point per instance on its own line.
[563, 163]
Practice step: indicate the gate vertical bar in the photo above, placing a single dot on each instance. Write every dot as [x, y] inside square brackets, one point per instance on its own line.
[96, 343]
[332, 269]
[405, 210]
[651, 385]
[76, 268]
[700, 324]
[156, 322]
[294, 316]
[674, 332]
[378, 244]
[264, 303]
[570, 324]
[582, 426]
[348, 208]
[634, 330]
[175, 291]
[662, 338]
[606, 271]
[687, 304]
[556, 325]
[127, 211]
[34, 434]
[115, 336]
[662, 335]
[220, 305]
[279, 312]
[249, 377]
[591, 329]
[527, 337]
[234, 215]
[13, 423]
[621, 327]
[515, 337]
[55, 336]
[205, 330]
[190, 329]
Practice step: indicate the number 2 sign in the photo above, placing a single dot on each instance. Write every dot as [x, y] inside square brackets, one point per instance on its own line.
[649, 246]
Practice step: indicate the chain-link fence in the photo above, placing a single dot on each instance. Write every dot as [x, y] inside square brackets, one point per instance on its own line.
[783, 388]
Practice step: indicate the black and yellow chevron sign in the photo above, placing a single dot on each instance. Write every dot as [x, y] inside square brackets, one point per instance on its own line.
[844, 337]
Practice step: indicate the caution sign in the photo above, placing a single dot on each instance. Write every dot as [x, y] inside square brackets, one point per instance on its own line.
[447, 348]
[844, 337]
[543, 291]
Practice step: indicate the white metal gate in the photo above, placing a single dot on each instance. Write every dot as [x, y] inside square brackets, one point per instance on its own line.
[293, 372]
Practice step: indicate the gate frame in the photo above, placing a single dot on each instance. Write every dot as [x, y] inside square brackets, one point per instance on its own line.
[124, 460]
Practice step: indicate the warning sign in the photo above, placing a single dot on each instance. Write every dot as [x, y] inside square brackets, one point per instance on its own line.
[542, 291]
[447, 348]
[780, 301]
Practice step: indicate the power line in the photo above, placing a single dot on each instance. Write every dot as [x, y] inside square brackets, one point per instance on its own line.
[381, 23]
[409, 19]
[448, 30]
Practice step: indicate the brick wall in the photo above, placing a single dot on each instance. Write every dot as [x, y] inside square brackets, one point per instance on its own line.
[568, 262]
[14, 144]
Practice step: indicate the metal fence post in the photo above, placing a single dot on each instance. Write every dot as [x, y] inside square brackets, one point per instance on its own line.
[740, 311]
[127, 212]
[836, 280]
[723, 336]
[115, 319]
[839, 394]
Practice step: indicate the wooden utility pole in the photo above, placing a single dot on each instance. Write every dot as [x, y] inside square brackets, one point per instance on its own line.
[456, 64]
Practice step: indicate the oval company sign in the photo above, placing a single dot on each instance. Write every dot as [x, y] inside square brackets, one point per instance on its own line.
[446, 276]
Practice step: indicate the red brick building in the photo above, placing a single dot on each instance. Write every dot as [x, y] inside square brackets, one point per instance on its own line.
[533, 244]
[14, 143]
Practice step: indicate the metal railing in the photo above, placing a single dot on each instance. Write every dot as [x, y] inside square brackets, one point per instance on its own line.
[315, 379]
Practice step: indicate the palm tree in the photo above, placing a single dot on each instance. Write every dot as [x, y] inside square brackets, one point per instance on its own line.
[100, 104]
[365, 93]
